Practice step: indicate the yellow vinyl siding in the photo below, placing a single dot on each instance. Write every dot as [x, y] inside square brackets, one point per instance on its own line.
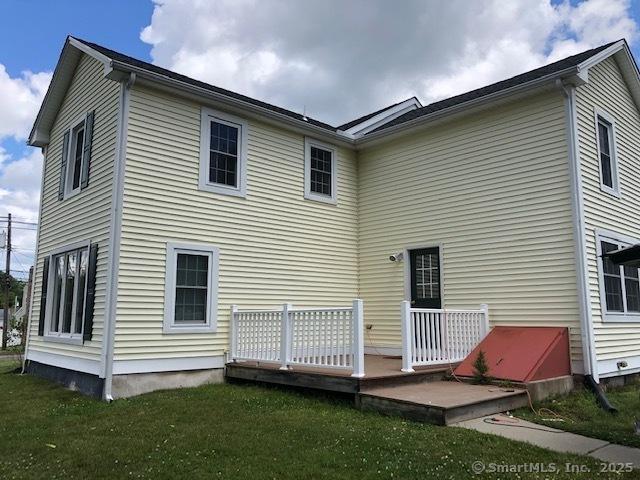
[275, 246]
[608, 91]
[493, 189]
[85, 216]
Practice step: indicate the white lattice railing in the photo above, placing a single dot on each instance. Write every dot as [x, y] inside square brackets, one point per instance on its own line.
[327, 337]
[439, 336]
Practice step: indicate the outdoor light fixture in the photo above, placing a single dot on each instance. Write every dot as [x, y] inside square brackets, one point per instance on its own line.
[396, 257]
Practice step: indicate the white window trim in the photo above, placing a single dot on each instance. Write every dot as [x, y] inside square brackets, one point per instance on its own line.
[308, 194]
[613, 237]
[68, 174]
[207, 115]
[59, 337]
[615, 191]
[173, 248]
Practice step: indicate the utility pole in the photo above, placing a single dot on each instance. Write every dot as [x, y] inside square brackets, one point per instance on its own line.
[7, 285]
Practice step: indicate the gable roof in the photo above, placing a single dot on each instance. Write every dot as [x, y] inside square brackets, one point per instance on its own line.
[524, 78]
[126, 59]
[368, 116]
[381, 123]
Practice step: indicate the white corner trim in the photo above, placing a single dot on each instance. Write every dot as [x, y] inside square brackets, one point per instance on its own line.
[65, 361]
[45, 151]
[308, 194]
[213, 255]
[608, 118]
[609, 368]
[385, 116]
[579, 232]
[618, 238]
[206, 116]
[124, 367]
[115, 234]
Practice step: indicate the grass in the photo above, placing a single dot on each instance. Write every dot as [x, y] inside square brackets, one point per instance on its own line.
[581, 414]
[236, 432]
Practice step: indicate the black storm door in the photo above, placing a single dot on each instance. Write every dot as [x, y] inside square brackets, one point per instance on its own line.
[425, 278]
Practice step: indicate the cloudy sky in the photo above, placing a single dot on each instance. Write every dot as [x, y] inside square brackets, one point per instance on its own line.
[335, 59]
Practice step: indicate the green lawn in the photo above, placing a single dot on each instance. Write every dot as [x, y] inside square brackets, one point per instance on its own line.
[581, 414]
[235, 432]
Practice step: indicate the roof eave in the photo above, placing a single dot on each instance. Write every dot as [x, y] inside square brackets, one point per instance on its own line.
[570, 75]
[119, 68]
[62, 75]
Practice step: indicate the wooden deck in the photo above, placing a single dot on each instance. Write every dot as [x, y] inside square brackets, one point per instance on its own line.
[379, 371]
[421, 395]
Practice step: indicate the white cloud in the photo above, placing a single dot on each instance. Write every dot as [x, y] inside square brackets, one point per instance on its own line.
[20, 174]
[20, 196]
[341, 59]
[20, 100]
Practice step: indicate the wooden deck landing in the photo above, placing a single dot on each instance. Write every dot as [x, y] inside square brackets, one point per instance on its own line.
[421, 395]
[380, 371]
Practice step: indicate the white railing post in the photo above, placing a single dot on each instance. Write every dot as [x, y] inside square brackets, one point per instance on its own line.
[485, 326]
[358, 339]
[405, 316]
[233, 330]
[285, 337]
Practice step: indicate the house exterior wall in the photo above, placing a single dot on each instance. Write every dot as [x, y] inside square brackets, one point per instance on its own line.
[493, 190]
[83, 217]
[607, 90]
[275, 246]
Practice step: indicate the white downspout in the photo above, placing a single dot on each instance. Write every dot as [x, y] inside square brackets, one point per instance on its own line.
[115, 233]
[577, 204]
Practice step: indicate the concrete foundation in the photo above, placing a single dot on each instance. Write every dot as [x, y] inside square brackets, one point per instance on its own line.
[133, 384]
[541, 389]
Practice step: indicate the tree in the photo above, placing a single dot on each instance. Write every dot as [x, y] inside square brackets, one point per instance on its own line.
[481, 369]
[15, 290]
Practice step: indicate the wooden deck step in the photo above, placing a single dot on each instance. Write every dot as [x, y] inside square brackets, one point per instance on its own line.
[441, 402]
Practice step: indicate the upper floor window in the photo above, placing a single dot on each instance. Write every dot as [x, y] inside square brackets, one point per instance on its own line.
[319, 172]
[607, 153]
[76, 157]
[223, 153]
[619, 285]
[191, 288]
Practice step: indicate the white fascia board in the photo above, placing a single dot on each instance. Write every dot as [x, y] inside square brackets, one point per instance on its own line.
[403, 128]
[627, 65]
[384, 117]
[235, 105]
[62, 77]
[583, 68]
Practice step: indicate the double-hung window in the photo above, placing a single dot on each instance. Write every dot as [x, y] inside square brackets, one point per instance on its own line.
[191, 288]
[605, 136]
[76, 157]
[68, 295]
[223, 153]
[319, 171]
[619, 285]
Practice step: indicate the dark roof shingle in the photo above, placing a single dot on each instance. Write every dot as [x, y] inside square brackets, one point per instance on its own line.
[120, 57]
[523, 78]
